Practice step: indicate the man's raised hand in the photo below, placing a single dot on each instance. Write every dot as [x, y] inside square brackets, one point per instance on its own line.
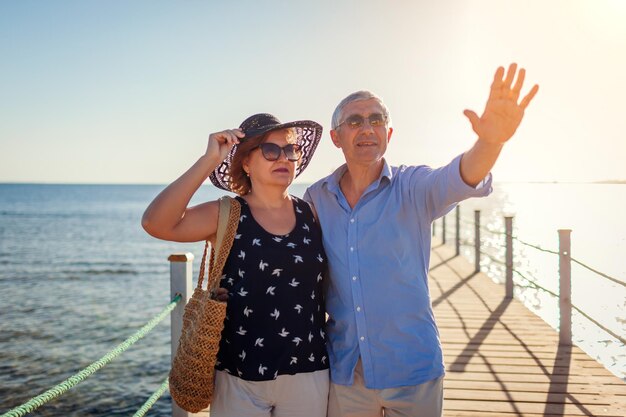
[503, 113]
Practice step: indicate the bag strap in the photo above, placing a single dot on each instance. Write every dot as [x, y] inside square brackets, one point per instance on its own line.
[222, 222]
[228, 220]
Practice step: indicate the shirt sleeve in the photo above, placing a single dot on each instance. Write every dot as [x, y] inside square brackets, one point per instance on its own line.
[437, 191]
[307, 196]
[484, 181]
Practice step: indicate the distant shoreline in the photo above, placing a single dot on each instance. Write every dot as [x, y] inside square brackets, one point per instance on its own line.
[612, 182]
[603, 182]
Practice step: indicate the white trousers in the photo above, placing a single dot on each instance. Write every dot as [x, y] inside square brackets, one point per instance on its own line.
[356, 400]
[300, 395]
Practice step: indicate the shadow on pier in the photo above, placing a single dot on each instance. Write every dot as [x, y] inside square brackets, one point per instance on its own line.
[503, 360]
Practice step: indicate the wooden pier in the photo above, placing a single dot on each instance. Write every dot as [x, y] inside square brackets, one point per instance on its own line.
[503, 360]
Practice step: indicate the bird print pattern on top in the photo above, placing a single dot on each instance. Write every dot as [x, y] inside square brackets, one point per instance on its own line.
[275, 312]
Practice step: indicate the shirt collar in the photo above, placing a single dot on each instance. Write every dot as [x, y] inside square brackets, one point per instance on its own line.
[332, 181]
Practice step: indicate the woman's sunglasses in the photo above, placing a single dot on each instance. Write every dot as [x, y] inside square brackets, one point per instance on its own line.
[271, 151]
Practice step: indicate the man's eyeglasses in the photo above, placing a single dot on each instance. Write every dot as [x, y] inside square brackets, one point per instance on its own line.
[271, 151]
[355, 121]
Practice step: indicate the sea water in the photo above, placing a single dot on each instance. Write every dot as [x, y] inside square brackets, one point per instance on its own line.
[78, 275]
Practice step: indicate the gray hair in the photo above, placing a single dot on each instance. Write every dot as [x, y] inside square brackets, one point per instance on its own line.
[357, 96]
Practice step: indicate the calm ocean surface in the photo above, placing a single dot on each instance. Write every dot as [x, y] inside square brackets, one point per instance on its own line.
[78, 275]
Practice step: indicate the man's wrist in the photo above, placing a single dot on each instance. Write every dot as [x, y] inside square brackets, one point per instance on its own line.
[485, 143]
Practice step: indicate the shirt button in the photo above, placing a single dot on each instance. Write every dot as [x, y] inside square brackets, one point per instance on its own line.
[358, 309]
[362, 338]
[351, 220]
[353, 278]
[351, 249]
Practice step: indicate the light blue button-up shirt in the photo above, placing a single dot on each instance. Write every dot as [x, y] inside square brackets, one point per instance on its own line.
[377, 297]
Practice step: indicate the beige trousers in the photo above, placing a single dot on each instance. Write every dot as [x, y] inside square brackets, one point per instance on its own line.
[424, 400]
[300, 395]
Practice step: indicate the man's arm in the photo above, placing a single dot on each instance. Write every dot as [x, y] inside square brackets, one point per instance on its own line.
[500, 119]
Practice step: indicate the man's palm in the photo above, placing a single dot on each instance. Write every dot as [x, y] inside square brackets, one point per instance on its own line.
[503, 113]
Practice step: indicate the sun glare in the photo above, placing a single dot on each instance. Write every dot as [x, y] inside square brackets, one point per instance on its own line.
[604, 18]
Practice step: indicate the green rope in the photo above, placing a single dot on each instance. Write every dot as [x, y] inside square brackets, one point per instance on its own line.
[153, 398]
[74, 380]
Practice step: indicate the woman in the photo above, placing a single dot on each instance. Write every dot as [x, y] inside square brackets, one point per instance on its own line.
[272, 359]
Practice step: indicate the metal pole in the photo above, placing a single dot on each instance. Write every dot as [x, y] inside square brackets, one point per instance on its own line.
[443, 231]
[565, 287]
[434, 224]
[457, 243]
[181, 282]
[476, 240]
[508, 223]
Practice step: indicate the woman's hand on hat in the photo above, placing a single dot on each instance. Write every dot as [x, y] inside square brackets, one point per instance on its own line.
[220, 143]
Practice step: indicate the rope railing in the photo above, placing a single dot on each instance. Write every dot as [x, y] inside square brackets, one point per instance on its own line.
[79, 377]
[615, 280]
[609, 331]
[484, 228]
[487, 255]
[153, 399]
[539, 248]
[533, 284]
[565, 260]
[492, 259]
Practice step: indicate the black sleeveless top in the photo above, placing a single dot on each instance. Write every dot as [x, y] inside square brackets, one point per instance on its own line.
[275, 312]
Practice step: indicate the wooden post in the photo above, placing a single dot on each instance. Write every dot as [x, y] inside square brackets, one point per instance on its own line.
[565, 287]
[508, 223]
[181, 282]
[476, 240]
[457, 242]
[443, 230]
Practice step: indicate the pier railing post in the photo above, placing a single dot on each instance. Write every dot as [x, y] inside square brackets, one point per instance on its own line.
[457, 235]
[508, 223]
[181, 282]
[565, 287]
[476, 240]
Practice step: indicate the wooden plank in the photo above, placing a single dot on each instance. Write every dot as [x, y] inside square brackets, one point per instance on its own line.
[574, 352]
[497, 349]
[537, 387]
[459, 413]
[479, 357]
[566, 408]
[519, 355]
[455, 338]
[526, 396]
[518, 377]
[530, 370]
[503, 360]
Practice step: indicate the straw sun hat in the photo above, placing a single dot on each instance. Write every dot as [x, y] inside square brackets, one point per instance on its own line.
[308, 135]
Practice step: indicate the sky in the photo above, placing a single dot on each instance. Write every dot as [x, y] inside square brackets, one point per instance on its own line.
[128, 91]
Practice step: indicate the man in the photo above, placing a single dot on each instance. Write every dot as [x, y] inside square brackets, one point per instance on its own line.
[383, 342]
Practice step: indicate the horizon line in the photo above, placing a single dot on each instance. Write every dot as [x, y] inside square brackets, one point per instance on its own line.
[613, 182]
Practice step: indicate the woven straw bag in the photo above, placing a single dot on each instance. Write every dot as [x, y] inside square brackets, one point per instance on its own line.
[192, 375]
